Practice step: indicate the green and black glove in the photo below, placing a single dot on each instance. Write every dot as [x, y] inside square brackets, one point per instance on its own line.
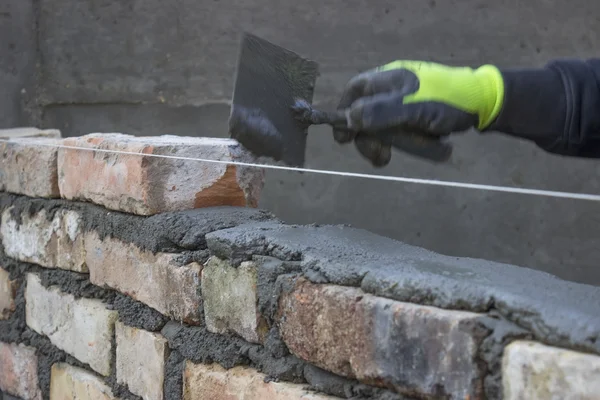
[426, 99]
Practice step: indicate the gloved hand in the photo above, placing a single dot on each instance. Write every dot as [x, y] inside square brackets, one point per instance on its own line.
[429, 99]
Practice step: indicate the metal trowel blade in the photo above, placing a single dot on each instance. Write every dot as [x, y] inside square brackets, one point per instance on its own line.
[268, 81]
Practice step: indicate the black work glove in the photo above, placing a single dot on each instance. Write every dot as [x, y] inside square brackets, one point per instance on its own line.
[414, 104]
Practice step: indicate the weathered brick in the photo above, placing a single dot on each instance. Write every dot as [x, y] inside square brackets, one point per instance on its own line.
[72, 383]
[230, 300]
[29, 132]
[410, 348]
[8, 291]
[153, 279]
[148, 185]
[141, 357]
[534, 371]
[18, 371]
[81, 327]
[28, 166]
[213, 382]
[51, 243]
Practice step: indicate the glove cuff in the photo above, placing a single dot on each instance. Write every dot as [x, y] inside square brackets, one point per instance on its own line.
[491, 94]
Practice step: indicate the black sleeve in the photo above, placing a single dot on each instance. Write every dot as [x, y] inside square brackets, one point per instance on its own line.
[557, 107]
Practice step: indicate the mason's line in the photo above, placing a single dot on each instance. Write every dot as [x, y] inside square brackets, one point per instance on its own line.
[462, 185]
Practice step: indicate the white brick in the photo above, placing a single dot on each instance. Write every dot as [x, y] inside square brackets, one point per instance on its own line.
[213, 382]
[13, 133]
[72, 383]
[534, 371]
[141, 357]
[8, 291]
[81, 327]
[230, 300]
[28, 166]
[51, 243]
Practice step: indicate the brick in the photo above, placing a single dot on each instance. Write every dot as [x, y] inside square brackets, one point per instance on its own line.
[18, 371]
[153, 279]
[213, 382]
[413, 349]
[82, 328]
[231, 300]
[8, 291]
[29, 132]
[28, 166]
[535, 371]
[72, 383]
[148, 185]
[141, 357]
[55, 242]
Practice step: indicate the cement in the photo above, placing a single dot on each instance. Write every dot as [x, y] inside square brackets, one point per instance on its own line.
[173, 386]
[326, 382]
[200, 346]
[556, 312]
[176, 232]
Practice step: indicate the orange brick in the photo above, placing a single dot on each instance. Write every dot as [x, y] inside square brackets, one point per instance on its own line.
[149, 185]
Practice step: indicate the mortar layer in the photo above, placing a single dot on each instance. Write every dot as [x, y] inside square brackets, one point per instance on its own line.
[172, 232]
[556, 311]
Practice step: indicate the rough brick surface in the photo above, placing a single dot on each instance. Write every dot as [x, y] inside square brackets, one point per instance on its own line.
[534, 371]
[28, 166]
[29, 132]
[8, 289]
[152, 279]
[230, 300]
[81, 327]
[406, 347]
[149, 185]
[18, 371]
[72, 383]
[51, 243]
[213, 382]
[141, 357]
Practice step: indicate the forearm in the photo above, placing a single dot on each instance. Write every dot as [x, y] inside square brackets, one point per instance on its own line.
[557, 107]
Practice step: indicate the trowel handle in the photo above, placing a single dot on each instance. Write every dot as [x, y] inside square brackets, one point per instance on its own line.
[422, 145]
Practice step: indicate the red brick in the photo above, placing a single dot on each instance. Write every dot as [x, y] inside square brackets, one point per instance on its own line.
[413, 349]
[18, 371]
[153, 279]
[149, 185]
[213, 382]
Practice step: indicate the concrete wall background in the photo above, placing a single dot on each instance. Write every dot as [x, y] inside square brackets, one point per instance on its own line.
[154, 67]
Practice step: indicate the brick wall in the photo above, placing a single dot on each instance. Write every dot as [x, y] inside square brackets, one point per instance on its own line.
[139, 277]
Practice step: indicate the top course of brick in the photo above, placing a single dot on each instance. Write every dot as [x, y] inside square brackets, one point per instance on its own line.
[137, 182]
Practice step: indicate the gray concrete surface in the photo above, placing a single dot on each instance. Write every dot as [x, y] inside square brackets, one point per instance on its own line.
[153, 67]
[17, 61]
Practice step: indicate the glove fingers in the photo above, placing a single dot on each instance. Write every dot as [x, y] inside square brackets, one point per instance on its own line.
[354, 90]
[373, 149]
[385, 110]
[372, 83]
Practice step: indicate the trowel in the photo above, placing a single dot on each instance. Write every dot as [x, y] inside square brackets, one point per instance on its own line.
[272, 110]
